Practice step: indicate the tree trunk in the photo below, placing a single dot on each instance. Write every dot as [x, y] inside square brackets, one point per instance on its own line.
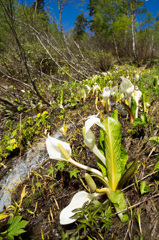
[133, 37]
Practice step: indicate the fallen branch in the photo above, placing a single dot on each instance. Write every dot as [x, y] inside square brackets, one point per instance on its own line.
[137, 204]
[140, 180]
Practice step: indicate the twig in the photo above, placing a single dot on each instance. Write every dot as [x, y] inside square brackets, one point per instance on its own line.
[15, 79]
[8, 102]
[137, 204]
[53, 59]
[153, 149]
[140, 180]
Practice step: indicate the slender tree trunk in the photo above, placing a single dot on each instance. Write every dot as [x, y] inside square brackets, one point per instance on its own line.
[62, 32]
[133, 37]
[116, 48]
[9, 13]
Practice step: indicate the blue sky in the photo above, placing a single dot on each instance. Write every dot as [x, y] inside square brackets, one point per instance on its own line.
[71, 11]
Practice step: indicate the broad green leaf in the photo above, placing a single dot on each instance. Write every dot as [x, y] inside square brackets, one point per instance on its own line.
[115, 114]
[137, 122]
[142, 121]
[123, 159]
[113, 151]
[133, 106]
[117, 198]
[143, 118]
[144, 188]
[101, 147]
[156, 166]
[129, 172]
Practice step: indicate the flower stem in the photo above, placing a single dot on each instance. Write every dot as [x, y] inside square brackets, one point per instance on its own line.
[66, 155]
[93, 170]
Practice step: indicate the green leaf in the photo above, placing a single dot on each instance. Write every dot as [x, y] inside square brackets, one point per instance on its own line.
[101, 147]
[79, 228]
[10, 236]
[20, 108]
[16, 226]
[113, 151]
[51, 170]
[14, 133]
[38, 184]
[115, 114]
[85, 107]
[118, 199]
[154, 139]
[133, 106]
[143, 118]
[74, 172]
[142, 121]
[144, 188]
[156, 166]
[61, 165]
[123, 159]
[129, 172]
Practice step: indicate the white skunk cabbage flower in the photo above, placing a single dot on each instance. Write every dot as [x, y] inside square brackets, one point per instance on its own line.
[96, 88]
[106, 93]
[63, 129]
[137, 95]
[60, 150]
[60, 106]
[113, 90]
[52, 145]
[89, 137]
[77, 202]
[126, 86]
[137, 76]
[104, 74]
[88, 88]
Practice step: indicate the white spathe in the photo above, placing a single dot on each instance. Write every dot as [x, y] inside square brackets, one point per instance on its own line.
[91, 121]
[88, 88]
[126, 86]
[60, 150]
[96, 88]
[77, 202]
[137, 76]
[53, 149]
[137, 95]
[89, 137]
[106, 93]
